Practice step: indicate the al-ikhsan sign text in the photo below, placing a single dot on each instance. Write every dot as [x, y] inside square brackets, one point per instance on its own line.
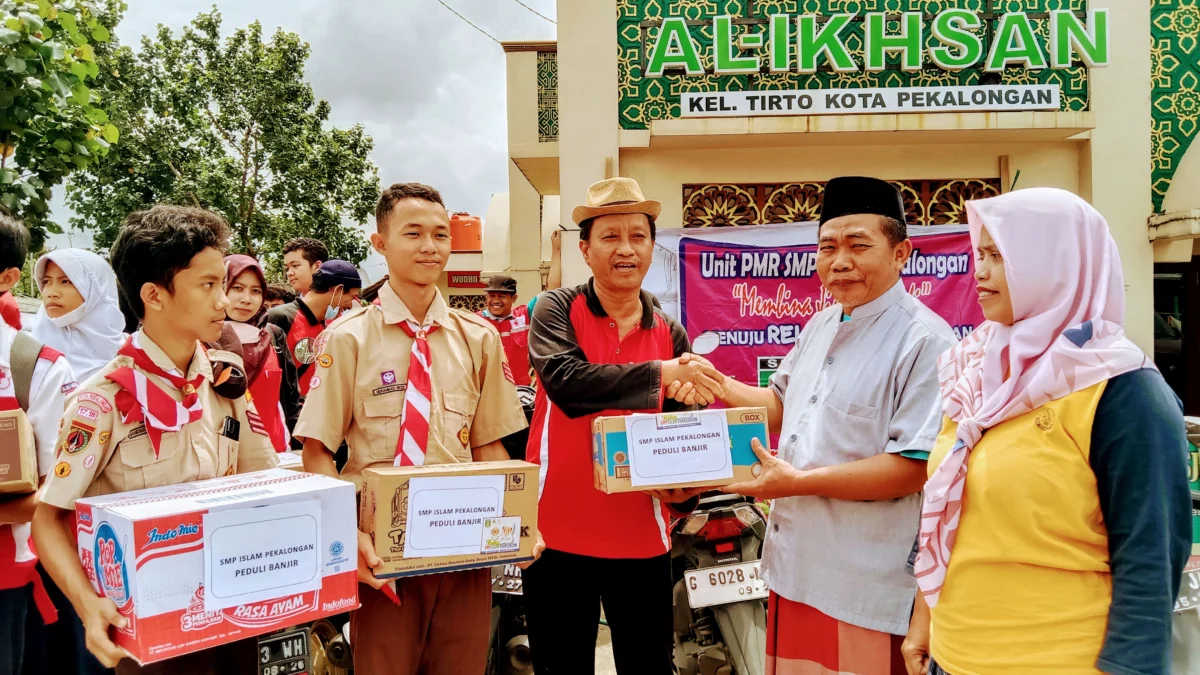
[801, 43]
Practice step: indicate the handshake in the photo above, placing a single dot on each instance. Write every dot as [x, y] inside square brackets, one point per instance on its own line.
[692, 380]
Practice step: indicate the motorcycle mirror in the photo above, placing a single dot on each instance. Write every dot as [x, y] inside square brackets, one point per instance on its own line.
[706, 343]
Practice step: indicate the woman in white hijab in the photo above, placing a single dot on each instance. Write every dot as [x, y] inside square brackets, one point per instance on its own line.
[80, 316]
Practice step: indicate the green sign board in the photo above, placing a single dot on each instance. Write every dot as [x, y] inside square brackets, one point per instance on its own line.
[671, 48]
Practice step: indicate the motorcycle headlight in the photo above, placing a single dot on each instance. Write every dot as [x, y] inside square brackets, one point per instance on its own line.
[694, 524]
[746, 515]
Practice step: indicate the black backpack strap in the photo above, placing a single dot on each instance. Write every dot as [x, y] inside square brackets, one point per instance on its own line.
[22, 360]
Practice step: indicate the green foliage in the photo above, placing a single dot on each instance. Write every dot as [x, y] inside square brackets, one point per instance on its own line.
[52, 121]
[231, 125]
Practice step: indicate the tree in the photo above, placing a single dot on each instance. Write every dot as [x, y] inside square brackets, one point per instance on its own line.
[51, 119]
[229, 125]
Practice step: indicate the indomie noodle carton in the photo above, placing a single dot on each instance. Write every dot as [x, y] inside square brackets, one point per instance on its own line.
[196, 565]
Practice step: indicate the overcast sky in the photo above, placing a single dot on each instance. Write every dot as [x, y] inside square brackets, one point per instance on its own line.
[429, 88]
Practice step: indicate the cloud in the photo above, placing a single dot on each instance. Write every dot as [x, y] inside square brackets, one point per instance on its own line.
[429, 88]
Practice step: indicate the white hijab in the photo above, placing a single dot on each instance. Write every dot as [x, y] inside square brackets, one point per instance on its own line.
[90, 335]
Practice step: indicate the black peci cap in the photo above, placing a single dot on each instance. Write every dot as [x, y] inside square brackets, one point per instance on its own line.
[850, 195]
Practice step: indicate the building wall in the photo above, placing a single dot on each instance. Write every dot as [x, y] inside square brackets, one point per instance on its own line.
[1110, 166]
[1120, 163]
[662, 173]
[587, 111]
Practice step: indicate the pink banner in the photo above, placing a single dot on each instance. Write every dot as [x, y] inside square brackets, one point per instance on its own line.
[757, 299]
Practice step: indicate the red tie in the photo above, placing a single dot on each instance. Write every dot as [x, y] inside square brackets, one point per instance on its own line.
[141, 400]
[414, 424]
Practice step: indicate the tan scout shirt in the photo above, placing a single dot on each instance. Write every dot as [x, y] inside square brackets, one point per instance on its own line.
[118, 457]
[357, 391]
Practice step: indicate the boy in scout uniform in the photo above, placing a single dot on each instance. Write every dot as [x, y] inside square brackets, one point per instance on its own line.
[170, 269]
[410, 382]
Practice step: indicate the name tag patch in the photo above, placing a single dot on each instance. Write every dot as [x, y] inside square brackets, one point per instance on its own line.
[387, 390]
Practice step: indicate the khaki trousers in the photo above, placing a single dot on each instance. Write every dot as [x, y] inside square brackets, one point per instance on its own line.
[440, 627]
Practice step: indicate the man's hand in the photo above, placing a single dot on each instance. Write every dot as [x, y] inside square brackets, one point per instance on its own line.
[537, 551]
[676, 495]
[556, 240]
[367, 562]
[777, 479]
[692, 380]
[99, 613]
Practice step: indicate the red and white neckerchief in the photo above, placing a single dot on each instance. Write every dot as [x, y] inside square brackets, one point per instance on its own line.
[414, 424]
[10, 311]
[141, 400]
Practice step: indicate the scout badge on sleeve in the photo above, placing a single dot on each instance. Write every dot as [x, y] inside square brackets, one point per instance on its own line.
[78, 437]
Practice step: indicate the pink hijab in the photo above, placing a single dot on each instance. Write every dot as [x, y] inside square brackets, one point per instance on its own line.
[1068, 296]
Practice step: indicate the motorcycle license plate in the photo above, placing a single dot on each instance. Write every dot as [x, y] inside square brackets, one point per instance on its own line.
[284, 653]
[1189, 592]
[723, 585]
[507, 579]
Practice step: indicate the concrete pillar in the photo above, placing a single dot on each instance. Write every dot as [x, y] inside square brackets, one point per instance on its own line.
[587, 111]
[524, 204]
[1119, 151]
[524, 233]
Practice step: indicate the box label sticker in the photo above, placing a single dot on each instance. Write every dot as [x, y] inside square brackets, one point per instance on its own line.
[678, 449]
[446, 514]
[260, 553]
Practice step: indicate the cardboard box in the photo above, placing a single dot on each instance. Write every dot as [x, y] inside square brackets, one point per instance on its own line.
[678, 433]
[196, 565]
[290, 460]
[18, 455]
[449, 517]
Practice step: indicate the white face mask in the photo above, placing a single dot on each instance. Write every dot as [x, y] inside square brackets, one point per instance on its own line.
[68, 318]
[333, 310]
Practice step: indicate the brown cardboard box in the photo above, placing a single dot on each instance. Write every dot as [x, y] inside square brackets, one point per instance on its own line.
[452, 516]
[18, 456]
[610, 448]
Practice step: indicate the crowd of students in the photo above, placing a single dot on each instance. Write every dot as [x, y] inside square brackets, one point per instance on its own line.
[76, 347]
[1050, 453]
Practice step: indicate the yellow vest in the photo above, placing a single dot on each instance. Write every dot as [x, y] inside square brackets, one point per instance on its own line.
[1029, 583]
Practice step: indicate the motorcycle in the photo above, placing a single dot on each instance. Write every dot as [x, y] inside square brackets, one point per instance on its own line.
[719, 597]
[508, 648]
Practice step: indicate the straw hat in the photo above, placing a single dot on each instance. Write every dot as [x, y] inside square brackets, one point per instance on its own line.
[615, 195]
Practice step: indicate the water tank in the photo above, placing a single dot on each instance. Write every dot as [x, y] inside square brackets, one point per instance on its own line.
[466, 233]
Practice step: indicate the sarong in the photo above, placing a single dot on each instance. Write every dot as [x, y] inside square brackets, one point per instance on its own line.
[803, 641]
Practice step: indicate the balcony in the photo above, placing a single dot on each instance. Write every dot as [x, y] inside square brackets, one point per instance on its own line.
[533, 111]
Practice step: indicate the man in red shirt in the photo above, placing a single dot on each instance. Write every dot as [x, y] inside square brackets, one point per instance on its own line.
[512, 321]
[603, 348]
